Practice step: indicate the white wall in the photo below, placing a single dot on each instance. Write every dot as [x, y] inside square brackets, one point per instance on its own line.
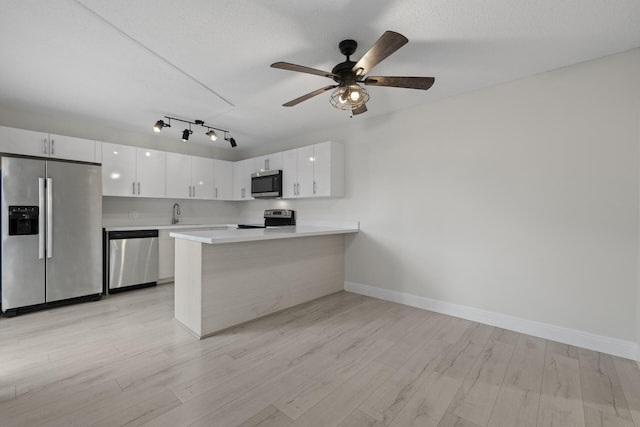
[520, 199]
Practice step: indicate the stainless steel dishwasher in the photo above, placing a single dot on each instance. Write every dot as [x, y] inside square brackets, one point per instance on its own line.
[133, 259]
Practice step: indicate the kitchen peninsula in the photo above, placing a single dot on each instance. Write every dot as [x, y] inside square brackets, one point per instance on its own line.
[227, 277]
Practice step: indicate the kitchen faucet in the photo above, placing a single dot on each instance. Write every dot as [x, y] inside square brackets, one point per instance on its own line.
[176, 214]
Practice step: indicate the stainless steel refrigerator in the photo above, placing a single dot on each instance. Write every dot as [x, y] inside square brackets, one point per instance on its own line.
[51, 233]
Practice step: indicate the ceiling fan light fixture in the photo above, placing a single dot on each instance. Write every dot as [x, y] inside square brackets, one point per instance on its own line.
[349, 97]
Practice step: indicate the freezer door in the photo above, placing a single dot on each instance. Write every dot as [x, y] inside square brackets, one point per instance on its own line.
[74, 230]
[23, 263]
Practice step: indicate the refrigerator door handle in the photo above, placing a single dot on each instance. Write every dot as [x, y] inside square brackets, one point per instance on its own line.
[49, 225]
[41, 218]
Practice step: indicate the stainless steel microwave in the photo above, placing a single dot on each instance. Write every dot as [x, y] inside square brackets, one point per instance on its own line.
[267, 184]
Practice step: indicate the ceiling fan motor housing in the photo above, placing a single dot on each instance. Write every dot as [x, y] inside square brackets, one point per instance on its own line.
[344, 74]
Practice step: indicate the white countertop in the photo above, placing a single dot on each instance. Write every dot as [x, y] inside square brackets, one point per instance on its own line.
[166, 226]
[234, 235]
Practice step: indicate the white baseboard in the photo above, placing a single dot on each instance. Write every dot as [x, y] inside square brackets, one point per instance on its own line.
[613, 346]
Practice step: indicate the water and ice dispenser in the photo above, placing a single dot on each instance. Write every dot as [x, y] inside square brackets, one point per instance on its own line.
[23, 220]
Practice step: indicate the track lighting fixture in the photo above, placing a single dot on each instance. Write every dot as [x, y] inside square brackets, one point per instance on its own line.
[211, 130]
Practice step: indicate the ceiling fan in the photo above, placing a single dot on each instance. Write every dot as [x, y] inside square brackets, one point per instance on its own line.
[348, 75]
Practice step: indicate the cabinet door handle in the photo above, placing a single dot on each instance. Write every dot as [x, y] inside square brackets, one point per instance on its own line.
[138, 188]
[267, 163]
[44, 146]
[216, 192]
[242, 193]
[133, 188]
[314, 187]
[53, 141]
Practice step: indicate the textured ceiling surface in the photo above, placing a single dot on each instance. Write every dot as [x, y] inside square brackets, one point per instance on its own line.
[129, 63]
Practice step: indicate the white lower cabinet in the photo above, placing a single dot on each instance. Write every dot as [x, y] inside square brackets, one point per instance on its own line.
[166, 255]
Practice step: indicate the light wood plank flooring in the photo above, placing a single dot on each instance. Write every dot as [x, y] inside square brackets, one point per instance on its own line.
[342, 360]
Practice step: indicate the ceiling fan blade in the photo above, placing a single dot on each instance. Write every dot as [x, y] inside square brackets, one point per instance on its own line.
[388, 43]
[309, 95]
[423, 83]
[361, 109]
[302, 69]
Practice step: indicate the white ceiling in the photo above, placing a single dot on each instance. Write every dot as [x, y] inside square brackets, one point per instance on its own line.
[129, 63]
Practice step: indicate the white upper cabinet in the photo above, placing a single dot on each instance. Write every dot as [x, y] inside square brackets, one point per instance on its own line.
[305, 171]
[223, 180]
[40, 144]
[26, 142]
[70, 148]
[314, 171]
[290, 174]
[150, 168]
[202, 178]
[268, 163]
[178, 176]
[118, 170]
[132, 172]
[242, 171]
[328, 169]
[189, 177]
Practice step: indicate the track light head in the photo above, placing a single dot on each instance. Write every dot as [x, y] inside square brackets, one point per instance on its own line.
[232, 141]
[212, 135]
[185, 135]
[159, 125]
